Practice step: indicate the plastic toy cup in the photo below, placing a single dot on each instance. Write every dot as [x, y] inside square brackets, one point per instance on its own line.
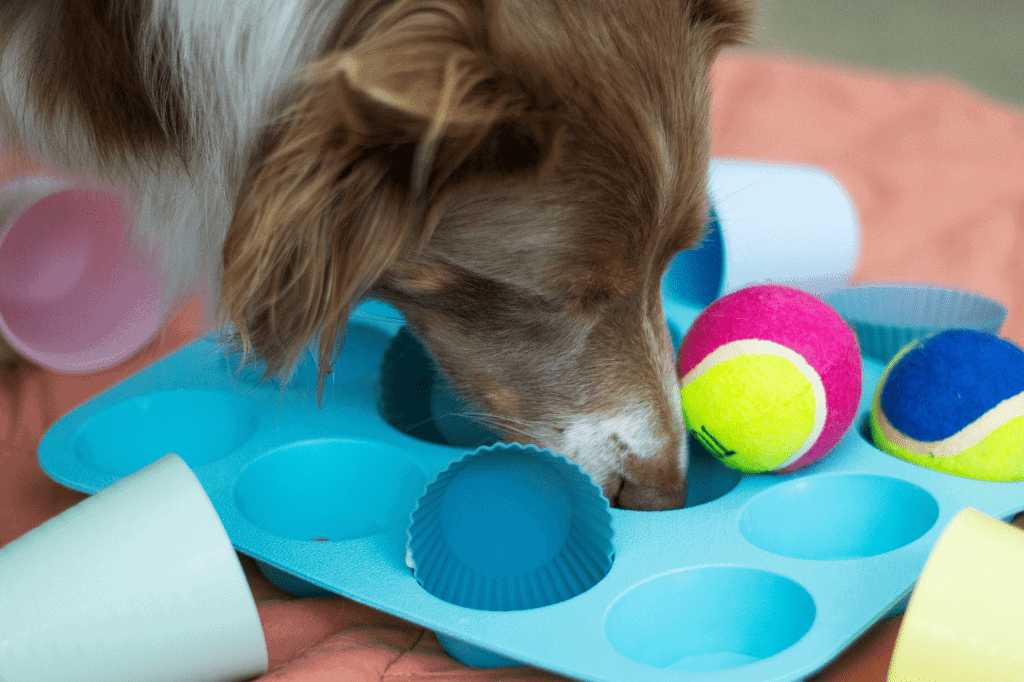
[74, 295]
[791, 225]
[964, 617]
[138, 582]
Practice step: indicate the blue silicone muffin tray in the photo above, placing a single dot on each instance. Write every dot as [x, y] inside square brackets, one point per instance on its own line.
[760, 577]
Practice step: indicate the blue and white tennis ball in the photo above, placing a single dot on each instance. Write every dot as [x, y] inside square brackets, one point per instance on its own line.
[954, 402]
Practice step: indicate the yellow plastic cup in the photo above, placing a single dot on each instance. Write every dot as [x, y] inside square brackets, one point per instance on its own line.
[964, 622]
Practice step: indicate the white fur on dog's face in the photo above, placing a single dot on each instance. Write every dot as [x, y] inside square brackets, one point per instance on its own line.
[513, 175]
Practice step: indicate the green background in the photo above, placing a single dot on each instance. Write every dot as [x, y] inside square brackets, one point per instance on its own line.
[979, 43]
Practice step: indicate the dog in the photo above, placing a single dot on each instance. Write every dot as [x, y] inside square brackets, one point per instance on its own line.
[514, 176]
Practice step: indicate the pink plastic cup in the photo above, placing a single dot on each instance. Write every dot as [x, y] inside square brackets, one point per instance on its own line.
[75, 295]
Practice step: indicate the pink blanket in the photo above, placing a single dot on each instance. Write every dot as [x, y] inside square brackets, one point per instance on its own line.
[937, 175]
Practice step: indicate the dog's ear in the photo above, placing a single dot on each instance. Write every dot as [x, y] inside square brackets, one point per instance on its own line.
[729, 22]
[356, 173]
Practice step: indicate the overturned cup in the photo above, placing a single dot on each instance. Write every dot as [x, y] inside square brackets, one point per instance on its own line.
[138, 582]
[963, 623]
[814, 242]
[75, 295]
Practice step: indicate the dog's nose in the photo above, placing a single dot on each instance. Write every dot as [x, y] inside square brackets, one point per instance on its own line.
[654, 472]
[640, 497]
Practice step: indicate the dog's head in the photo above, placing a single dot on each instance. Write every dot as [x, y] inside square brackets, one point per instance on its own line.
[515, 178]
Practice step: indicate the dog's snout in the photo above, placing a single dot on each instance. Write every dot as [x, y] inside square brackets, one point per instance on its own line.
[656, 482]
[643, 497]
[640, 461]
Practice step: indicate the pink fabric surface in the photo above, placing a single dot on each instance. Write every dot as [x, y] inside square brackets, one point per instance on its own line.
[937, 176]
[936, 172]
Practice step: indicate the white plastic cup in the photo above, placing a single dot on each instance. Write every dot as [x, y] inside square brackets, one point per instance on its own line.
[75, 296]
[963, 622]
[776, 223]
[138, 583]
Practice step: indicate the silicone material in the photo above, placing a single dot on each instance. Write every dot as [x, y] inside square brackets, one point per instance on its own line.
[760, 577]
[325, 496]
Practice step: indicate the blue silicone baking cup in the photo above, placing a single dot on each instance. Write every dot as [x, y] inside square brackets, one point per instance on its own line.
[886, 317]
[510, 527]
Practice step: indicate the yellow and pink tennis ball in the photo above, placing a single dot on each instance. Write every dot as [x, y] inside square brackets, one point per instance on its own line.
[771, 378]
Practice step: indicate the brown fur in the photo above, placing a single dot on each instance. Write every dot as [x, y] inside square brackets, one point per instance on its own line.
[513, 175]
[87, 62]
[495, 163]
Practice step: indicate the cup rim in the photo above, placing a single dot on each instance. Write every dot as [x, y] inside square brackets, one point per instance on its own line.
[37, 188]
[967, 527]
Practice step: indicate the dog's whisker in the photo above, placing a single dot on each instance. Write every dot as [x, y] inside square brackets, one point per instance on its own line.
[485, 417]
[509, 424]
[415, 425]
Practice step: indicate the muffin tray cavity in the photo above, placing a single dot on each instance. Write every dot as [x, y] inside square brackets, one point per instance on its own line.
[760, 577]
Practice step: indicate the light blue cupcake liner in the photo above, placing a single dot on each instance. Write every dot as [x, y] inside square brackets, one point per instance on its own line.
[510, 527]
[886, 317]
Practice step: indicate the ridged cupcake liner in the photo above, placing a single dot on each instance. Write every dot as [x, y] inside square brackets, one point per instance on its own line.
[468, 547]
[886, 317]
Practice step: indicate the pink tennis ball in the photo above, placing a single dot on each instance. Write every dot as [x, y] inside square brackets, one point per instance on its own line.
[771, 378]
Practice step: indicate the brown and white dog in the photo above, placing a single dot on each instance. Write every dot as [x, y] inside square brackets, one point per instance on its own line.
[513, 175]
